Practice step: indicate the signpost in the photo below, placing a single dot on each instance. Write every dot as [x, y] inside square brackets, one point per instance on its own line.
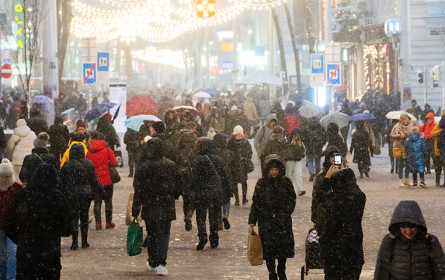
[6, 71]
[103, 61]
[333, 74]
[317, 74]
[89, 73]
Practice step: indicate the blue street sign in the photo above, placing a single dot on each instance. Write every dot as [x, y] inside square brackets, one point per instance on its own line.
[333, 74]
[317, 62]
[89, 73]
[103, 61]
[227, 66]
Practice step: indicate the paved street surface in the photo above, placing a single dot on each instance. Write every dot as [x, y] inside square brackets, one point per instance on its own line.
[107, 258]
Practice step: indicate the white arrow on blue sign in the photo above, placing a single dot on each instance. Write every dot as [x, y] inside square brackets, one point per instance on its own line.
[333, 74]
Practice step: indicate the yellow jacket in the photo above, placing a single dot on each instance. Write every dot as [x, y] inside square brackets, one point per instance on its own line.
[434, 133]
[66, 155]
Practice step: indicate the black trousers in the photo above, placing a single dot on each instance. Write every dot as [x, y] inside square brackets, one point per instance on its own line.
[108, 205]
[188, 208]
[244, 189]
[343, 273]
[132, 161]
[45, 266]
[215, 215]
[281, 267]
[79, 210]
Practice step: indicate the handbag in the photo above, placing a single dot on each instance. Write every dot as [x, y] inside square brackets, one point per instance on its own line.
[248, 164]
[128, 216]
[134, 238]
[397, 152]
[254, 248]
[115, 177]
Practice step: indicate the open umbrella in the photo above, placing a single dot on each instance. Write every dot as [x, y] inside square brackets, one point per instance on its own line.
[309, 110]
[41, 99]
[341, 119]
[260, 77]
[362, 117]
[181, 109]
[99, 110]
[202, 94]
[141, 104]
[395, 115]
[211, 90]
[68, 111]
[136, 122]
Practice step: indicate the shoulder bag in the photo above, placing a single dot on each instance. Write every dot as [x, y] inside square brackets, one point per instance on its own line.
[115, 177]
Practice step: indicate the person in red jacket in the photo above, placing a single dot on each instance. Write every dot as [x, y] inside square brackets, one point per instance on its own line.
[291, 119]
[429, 141]
[102, 157]
[9, 189]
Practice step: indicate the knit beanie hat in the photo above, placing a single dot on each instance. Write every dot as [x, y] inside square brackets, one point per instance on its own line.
[42, 140]
[159, 127]
[238, 130]
[21, 122]
[278, 129]
[6, 168]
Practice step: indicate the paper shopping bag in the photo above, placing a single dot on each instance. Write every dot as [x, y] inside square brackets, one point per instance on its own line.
[254, 249]
[129, 217]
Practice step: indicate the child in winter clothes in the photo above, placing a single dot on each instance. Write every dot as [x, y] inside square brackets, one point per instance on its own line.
[427, 128]
[415, 148]
[294, 164]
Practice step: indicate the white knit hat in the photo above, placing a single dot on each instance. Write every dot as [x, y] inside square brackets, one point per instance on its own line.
[238, 130]
[234, 108]
[21, 122]
[6, 168]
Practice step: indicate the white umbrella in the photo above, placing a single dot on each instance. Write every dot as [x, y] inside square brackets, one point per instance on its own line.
[309, 110]
[260, 77]
[395, 115]
[341, 119]
[202, 94]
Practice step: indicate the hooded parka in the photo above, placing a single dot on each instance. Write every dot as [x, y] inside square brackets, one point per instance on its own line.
[21, 142]
[102, 157]
[263, 134]
[273, 203]
[419, 258]
[415, 147]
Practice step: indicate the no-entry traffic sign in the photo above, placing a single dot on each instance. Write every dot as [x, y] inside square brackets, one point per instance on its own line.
[6, 71]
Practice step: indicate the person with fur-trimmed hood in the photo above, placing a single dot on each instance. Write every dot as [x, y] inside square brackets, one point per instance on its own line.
[273, 203]
[408, 251]
[362, 147]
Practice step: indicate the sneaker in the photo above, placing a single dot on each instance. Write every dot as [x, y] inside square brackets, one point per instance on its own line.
[161, 270]
[98, 225]
[110, 225]
[301, 193]
[151, 268]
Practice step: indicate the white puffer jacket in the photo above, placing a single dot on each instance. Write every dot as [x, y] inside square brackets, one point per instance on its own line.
[21, 142]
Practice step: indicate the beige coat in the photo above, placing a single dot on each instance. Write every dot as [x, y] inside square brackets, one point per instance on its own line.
[250, 109]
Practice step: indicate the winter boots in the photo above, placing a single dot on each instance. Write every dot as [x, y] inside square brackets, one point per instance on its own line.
[110, 225]
[311, 178]
[226, 219]
[188, 224]
[84, 241]
[201, 244]
[74, 245]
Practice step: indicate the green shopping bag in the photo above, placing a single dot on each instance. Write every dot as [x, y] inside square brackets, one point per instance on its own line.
[134, 238]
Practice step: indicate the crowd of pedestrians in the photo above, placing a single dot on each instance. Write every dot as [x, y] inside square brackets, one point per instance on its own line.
[204, 155]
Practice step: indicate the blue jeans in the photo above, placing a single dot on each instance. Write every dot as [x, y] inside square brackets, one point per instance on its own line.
[402, 163]
[158, 237]
[7, 257]
[226, 206]
[313, 164]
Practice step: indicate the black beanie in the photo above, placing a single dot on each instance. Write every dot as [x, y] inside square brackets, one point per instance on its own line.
[159, 127]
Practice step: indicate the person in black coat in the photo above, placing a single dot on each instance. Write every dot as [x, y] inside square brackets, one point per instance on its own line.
[132, 143]
[36, 122]
[36, 220]
[59, 137]
[314, 139]
[38, 156]
[185, 159]
[341, 239]
[105, 126]
[334, 139]
[157, 130]
[273, 203]
[79, 182]
[361, 146]
[155, 190]
[210, 186]
[408, 251]
[240, 153]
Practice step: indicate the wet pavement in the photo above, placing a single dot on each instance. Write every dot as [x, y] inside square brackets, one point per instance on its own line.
[107, 259]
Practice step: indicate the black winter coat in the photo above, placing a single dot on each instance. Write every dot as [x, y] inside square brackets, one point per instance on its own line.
[337, 141]
[155, 185]
[30, 163]
[132, 140]
[78, 178]
[314, 138]
[342, 236]
[209, 180]
[37, 218]
[421, 258]
[240, 153]
[59, 137]
[295, 152]
[37, 124]
[361, 146]
[273, 203]
[168, 149]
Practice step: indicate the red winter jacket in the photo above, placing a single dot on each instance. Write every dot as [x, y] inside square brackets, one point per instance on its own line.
[100, 155]
[291, 122]
[427, 128]
[6, 198]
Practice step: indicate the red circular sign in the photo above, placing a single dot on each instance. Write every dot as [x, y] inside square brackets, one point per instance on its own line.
[6, 71]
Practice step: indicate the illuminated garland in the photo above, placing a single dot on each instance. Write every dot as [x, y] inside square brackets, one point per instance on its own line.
[155, 20]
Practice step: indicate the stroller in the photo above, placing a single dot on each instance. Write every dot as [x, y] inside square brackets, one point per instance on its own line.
[313, 257]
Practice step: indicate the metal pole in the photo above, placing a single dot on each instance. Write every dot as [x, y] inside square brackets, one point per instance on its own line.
[49, 50]
[425, 90]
